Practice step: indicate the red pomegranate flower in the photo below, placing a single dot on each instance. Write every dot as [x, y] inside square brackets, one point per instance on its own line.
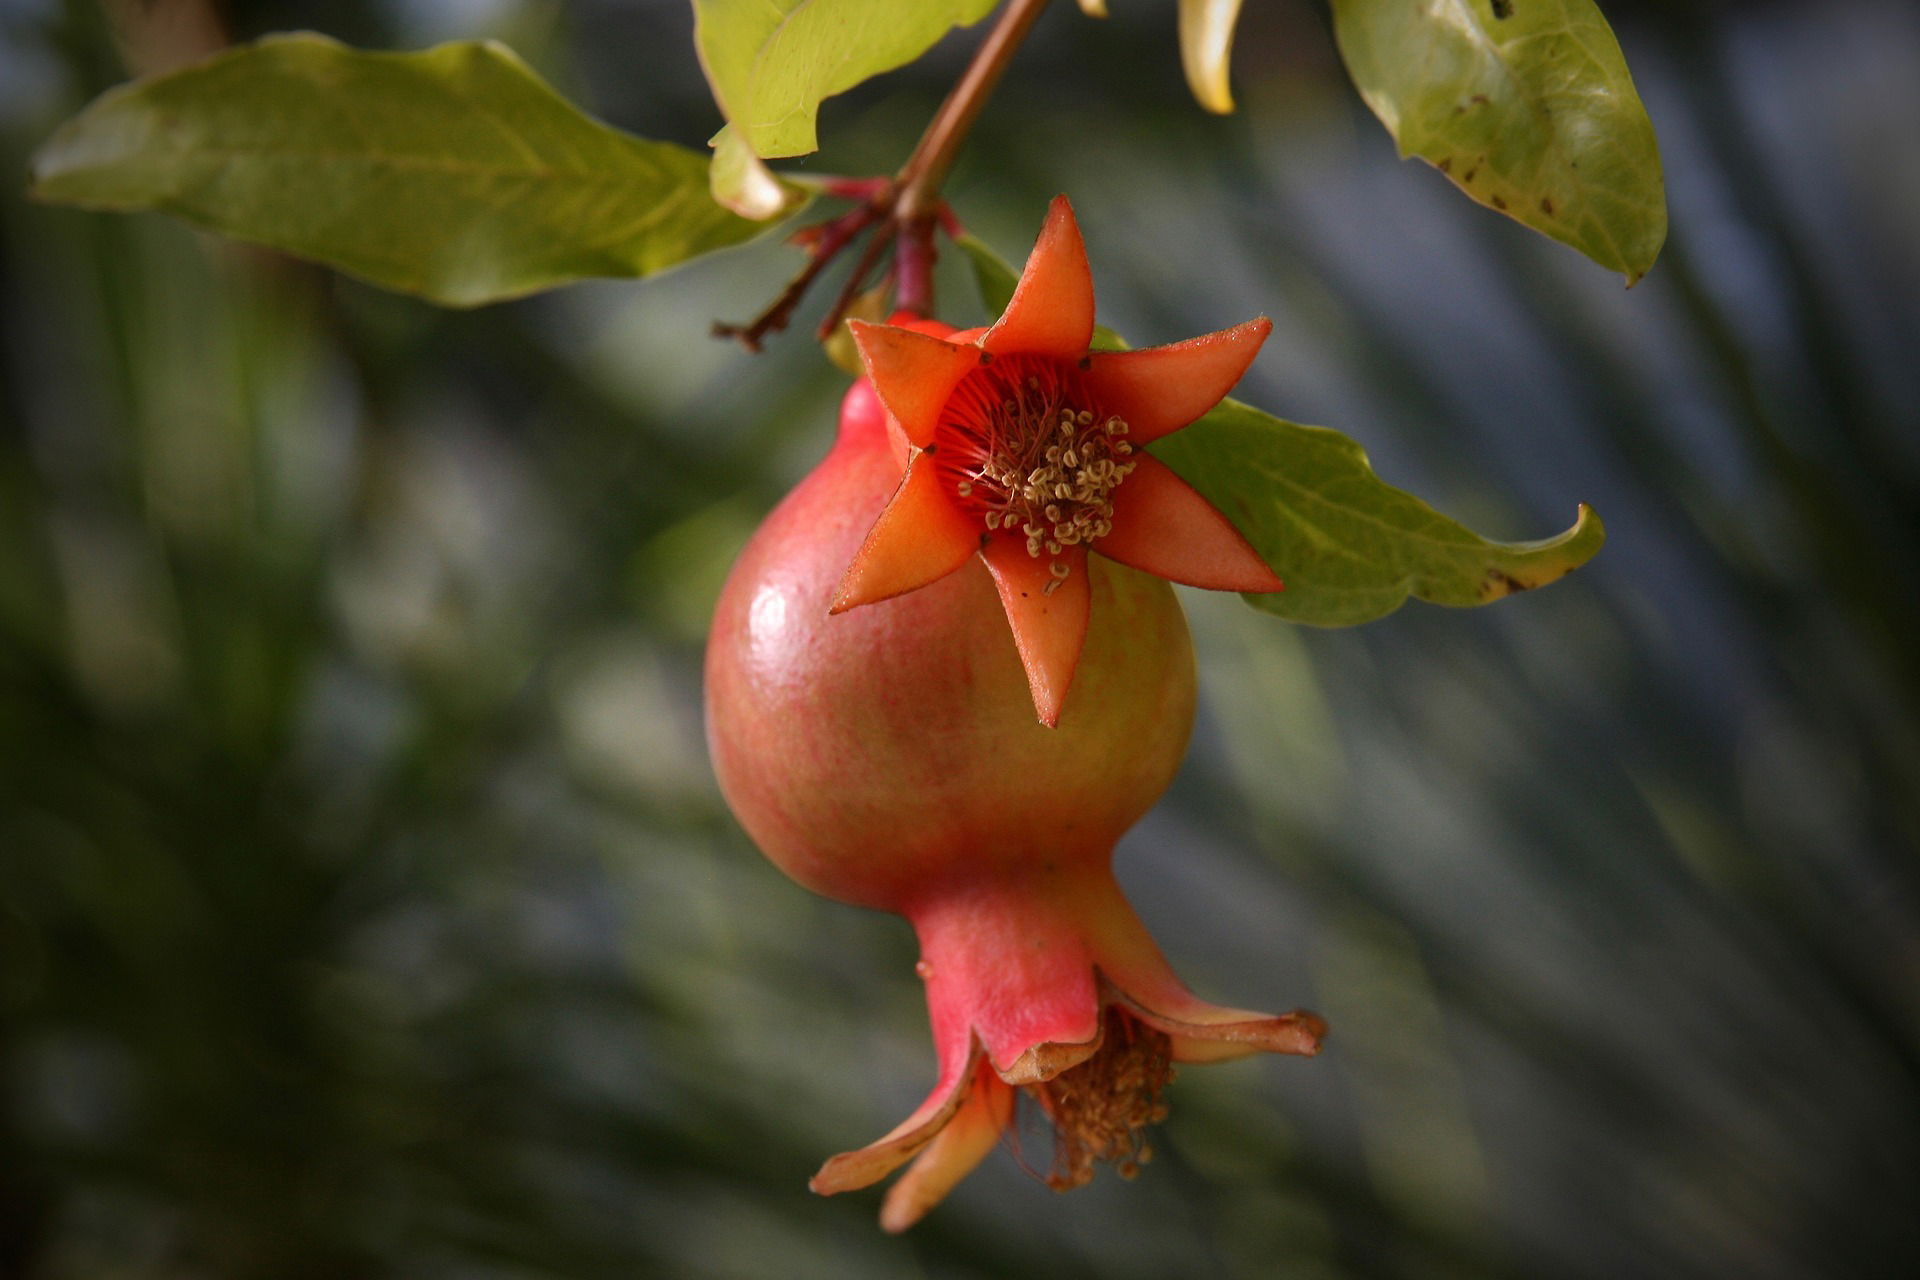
[1025, 446]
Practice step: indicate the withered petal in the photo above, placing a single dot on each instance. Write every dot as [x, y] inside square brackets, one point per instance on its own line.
[851, 1170]
[955, 1152]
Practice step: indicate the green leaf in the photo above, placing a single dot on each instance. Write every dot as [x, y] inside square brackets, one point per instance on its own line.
[772, 62]
[1526, 105]
[991, 274]
[454, 173]
[1350, 547]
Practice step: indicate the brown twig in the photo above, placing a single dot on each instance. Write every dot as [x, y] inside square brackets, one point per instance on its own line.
[848, 292]
[903, 210]
[823, 242]
[919, 180]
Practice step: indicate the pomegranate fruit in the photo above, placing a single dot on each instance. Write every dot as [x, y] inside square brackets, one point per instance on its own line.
[886, 757]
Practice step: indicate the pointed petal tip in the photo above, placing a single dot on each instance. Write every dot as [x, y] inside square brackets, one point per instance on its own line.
[1051, 311]
[1048, 617]
[1298, 1033]
[852, 1170]
[919, 537]
[898, 1214]
[1268, 582]
[1204, 1032]
[1163, 526]
[1159, 390]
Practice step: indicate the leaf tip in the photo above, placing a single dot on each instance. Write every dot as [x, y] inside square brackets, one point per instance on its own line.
[1206, 48]
[1586, 518]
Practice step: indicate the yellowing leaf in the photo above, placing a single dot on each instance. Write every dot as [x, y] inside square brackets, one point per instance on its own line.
[1206, 47]
[772, 62]
[1526, 105]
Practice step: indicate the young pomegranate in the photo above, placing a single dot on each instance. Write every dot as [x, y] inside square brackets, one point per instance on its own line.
[888, 757]
[1024, 445]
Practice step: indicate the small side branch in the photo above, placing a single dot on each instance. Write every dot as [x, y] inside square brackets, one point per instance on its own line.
[902, 211]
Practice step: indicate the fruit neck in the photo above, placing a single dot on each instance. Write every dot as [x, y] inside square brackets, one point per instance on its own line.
[1011, 958]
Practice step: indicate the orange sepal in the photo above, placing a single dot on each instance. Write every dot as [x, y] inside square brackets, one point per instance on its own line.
[920, 537]
[1202, 1032]
[1161, 389]
[1163, 527]
[1051, 311]
[960, 1146]
[1049, 627]
[851, 1170]
[914, 373]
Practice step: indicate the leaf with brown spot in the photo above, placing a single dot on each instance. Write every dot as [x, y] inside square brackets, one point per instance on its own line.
[1539, 92]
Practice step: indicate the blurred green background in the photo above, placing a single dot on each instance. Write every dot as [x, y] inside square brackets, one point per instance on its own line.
[367, 908]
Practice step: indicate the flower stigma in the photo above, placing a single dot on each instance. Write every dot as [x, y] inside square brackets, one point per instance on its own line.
[1020, 445]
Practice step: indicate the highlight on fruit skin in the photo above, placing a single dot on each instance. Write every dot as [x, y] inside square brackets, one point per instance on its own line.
[1024, 445]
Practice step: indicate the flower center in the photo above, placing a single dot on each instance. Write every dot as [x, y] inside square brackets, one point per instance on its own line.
[1021, 445]
[1101, 1108]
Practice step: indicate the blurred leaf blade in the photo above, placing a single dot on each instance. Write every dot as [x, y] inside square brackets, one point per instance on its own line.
[771, 65]
[1527, 106]
[454, 173]
[992, 275]
[1206, 49]
[1350, 547]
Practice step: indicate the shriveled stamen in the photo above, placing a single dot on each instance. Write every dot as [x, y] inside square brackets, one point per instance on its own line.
[1101, 1108]
[1020, 445]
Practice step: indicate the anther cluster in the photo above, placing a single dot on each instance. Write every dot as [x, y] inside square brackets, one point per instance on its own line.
[1101, 1108]
[1020, 444]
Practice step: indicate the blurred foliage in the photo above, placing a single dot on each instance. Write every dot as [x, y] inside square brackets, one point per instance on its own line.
[366, 908]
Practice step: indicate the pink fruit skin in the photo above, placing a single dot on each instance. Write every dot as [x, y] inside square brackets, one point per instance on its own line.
[888, 756]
